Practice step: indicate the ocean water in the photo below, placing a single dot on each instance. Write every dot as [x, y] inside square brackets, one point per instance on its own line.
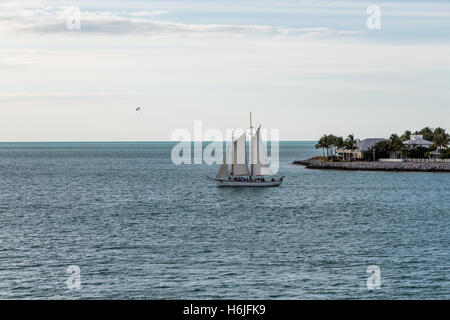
[139, 227]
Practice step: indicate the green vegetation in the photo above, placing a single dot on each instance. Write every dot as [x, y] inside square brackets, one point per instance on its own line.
[350, 142]
[393, 146]
[325, 143]
[330, 143]
[445, 153]
[438, 136]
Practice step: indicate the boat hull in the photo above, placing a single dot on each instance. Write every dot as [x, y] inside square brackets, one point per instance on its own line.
[225, 183]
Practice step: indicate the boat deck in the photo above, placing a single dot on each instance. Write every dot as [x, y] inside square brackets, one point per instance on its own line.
[231, 183]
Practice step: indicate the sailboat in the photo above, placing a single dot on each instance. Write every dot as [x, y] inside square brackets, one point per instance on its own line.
[240, 175]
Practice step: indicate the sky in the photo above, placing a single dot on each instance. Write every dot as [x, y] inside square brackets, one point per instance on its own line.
[306, 68]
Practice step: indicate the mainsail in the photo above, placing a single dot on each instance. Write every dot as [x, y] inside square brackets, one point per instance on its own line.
[260, 164]
[239, 165]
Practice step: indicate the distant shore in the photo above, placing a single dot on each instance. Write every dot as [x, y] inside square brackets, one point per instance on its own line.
[314, 163]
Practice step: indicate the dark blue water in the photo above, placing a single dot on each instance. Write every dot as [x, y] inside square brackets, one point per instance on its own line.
[140, 227]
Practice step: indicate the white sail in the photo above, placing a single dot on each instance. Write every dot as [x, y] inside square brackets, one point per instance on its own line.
[239, 165]
[223, 170]
[260, 164]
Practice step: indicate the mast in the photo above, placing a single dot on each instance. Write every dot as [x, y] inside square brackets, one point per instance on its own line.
[232, 152]
[257, 144]
[251, 146]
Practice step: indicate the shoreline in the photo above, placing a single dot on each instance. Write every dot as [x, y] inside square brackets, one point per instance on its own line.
[376, 166]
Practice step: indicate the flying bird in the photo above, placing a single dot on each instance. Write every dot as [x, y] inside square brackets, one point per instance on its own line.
[138, 109]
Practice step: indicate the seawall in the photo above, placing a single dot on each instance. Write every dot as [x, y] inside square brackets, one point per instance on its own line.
[376, 166]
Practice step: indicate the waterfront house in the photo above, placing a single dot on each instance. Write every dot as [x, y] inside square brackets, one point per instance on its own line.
[362, 146]
[417, 141]
[437, 153]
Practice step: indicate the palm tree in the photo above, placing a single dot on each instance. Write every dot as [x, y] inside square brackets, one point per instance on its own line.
[381, 149]
[339, 143]
[440, 131]
[321, 144]
[327, 143]
[350, 143]
[331, 141]
[440, 138]
[406, 135]
[427, 133]
[396, 145]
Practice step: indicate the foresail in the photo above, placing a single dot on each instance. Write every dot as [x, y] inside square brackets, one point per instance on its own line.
[259, 156]
[223, 171]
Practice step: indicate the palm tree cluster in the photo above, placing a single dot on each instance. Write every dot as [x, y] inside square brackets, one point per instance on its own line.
[394, 144]
[439, 137]
[331, 143]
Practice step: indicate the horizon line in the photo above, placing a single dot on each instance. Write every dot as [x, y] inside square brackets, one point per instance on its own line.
[136, 141]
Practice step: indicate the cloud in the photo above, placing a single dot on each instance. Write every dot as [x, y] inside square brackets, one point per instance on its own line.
[48, 96]
[19, 57]
[147, 13]
[55, 19]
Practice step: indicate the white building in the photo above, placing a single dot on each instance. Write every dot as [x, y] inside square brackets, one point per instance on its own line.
[361, 147]
[418, 141]
[437, 153]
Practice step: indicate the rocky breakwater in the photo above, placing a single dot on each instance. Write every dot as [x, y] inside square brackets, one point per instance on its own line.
[315, 163]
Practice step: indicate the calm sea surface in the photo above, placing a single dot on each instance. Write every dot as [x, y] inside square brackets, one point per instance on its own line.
[140, 227]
